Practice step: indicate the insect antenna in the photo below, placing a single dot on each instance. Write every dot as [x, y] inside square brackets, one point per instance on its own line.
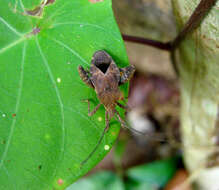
[100, 140]
[158, 137]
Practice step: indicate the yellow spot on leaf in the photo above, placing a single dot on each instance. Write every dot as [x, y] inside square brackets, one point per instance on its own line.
[106, 147]
[58, 80]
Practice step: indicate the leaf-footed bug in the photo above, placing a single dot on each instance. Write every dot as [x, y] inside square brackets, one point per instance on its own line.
[105, 78]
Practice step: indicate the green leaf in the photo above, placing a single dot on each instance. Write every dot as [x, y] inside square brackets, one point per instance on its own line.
[133, 185]
[102, 180]
[45, 132]
[155, 174]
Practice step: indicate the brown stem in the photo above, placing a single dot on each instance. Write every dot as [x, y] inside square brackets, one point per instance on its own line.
[145, 41]
[194, 21]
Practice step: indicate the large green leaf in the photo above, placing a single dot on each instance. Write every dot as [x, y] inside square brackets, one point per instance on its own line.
[45, 132]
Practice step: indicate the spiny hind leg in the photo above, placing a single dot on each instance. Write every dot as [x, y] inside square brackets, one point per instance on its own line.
[106, 121]
[90, 113]
[158, 137]
[126, 108]
[123, 124]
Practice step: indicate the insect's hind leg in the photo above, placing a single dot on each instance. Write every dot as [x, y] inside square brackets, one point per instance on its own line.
[126, 108]
[90, 113]
[123, 123]
[107, 121]
[157, 137]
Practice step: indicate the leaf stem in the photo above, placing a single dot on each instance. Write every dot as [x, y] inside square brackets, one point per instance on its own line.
[194, 21]
[145, 41]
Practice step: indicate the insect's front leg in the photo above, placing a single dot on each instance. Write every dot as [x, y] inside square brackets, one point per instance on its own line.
[90, 113]
[84, 75]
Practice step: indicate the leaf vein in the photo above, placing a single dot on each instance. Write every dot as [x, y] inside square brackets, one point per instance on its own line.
[22, 5]
[70, 49]
[9, 176]
[16, 107]
[10, 27]
[12, 44]
[59, 100]
[87, 24]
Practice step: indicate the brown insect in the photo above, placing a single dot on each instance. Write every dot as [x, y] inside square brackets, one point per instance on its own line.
[105, 77]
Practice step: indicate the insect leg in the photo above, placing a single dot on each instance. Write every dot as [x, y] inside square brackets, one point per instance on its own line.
[90, 113]
[124, 124]
[157, 137]
[94, 110]
[85, 76]
[123, 106]
[100, 140]
[126, 74]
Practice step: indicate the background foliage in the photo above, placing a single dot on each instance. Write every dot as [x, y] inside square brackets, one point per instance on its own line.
[147, 176]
